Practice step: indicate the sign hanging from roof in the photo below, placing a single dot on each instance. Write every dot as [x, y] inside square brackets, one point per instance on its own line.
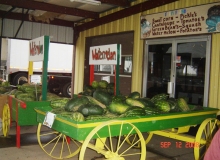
[105, 54]
[187, 21]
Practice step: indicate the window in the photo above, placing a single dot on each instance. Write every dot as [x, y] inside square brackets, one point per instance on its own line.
[103, 68]
[126, 66]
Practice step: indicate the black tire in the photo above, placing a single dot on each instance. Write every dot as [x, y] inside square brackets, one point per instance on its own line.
[66, 90]
[54, 90]
[20, 79]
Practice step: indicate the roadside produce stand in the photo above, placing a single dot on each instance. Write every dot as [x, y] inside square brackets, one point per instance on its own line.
[98, 135]
[115, 138]
[119, 138]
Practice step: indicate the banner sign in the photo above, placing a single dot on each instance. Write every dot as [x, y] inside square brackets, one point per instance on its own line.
[187, 21]
[37, 49]
[105, 54]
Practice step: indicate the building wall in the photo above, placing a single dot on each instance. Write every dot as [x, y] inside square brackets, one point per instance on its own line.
[132, 23]
[31, 30]
[214, 87]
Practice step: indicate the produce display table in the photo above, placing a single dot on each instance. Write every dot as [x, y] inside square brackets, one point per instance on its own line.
[22, 113]
[129, 130]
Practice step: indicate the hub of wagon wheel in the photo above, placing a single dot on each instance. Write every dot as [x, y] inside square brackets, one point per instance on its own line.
[113, 156]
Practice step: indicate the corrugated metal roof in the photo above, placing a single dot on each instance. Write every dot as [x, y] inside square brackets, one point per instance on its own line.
[63, 10]
[28, 19]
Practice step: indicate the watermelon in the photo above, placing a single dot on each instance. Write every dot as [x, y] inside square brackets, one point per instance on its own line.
[59, 103]
[103, 84]
[162, 105]
[118, 107]
[95, 84]
[77, 116]
[74, 103]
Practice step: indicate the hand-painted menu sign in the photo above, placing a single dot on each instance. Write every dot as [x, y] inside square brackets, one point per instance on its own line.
[105, 54]
[186, 21]
[37, 49]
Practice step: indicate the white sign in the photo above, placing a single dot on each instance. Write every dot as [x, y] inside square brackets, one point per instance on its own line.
[36, 49]
[105, 54]
[36, 79]
[106, 78]
[186, 21]
[49, 119]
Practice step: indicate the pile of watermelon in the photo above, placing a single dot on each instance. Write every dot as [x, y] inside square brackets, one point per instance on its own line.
[4, 87]
[103, 85]
[96, 103]
[30, 92]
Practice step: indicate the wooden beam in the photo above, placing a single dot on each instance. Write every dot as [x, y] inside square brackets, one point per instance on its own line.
[121, 3]
[50, 8]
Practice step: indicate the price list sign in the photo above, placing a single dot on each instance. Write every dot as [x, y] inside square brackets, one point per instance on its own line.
[186, 21]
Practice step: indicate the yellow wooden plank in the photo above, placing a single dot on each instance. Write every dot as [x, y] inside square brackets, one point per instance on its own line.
[138, 120]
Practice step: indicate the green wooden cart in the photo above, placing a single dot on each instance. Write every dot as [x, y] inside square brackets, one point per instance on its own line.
[22, 113]
[123, 138]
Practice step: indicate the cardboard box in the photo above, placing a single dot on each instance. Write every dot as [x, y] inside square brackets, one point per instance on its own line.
[3, 101]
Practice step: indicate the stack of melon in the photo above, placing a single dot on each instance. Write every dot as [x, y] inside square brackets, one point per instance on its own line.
[4, 87]
[30, 92]
[96, 103]
[103, 85]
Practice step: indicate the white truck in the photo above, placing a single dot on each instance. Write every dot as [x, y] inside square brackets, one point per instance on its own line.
[15, 62]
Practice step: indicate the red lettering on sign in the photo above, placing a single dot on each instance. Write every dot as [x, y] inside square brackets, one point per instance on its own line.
[101, 55]
[35, 49]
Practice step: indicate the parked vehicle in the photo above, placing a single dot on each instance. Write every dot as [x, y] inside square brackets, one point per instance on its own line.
[15, 62]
